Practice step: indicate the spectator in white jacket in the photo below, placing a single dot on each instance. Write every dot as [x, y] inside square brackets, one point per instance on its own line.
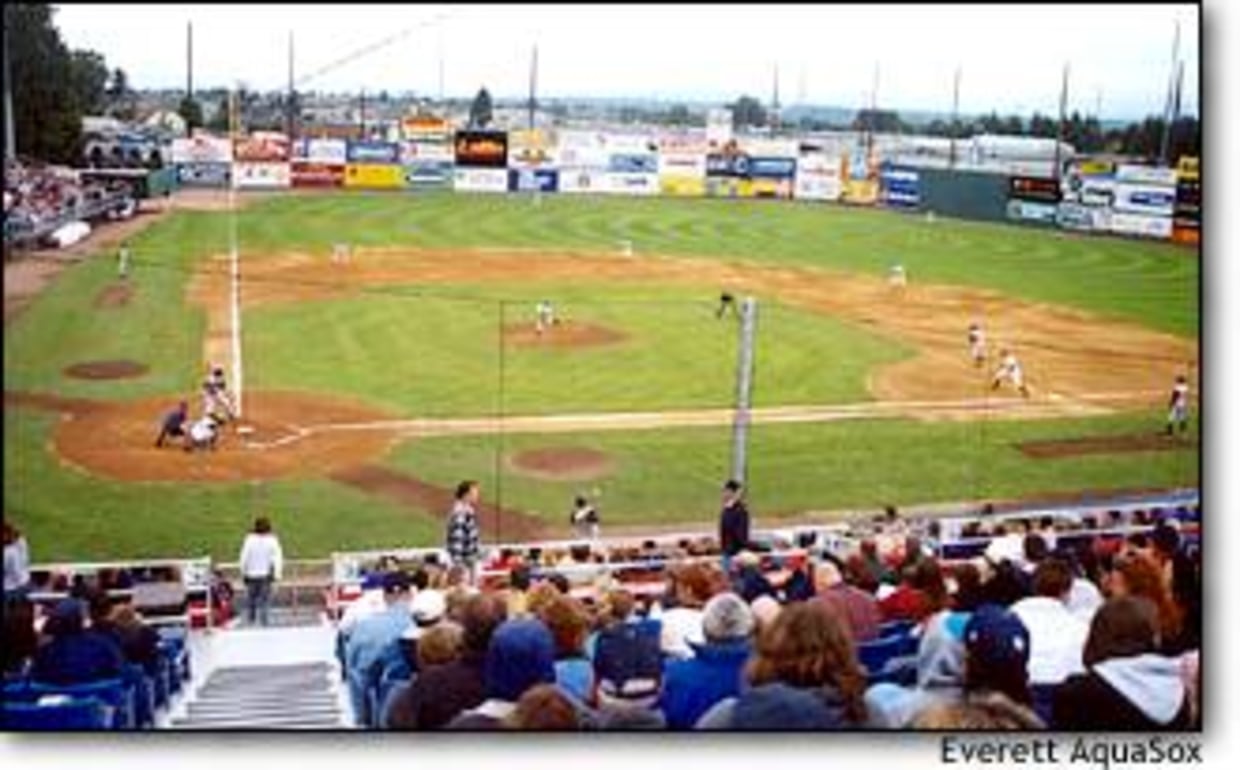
[1056, 636]
[262, 563]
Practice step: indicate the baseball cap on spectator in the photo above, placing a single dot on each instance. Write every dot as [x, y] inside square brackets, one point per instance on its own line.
[726, 618]
[628, 667]
[395, 582]
[778, 706]
[1006, 548]
[428, 607]
[520, 655]
[995, 636]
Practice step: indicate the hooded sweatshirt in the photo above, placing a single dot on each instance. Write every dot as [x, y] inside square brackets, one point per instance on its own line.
[940, 675]
[1142, 692]
[779, 706]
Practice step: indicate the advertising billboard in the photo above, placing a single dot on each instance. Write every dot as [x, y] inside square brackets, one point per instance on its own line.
[1142, 225]
[202, 148]
[310, 174]
[491, 180]
[582, 180]
[682, 164]
[1076, 216]
[1145, 175]
[203, 174]
[531, 149]
[533, 180]
[370, 152]
[680, 186]
[817, 186]
[381, 176]
[861, 192]
[481, 149]
[432, 152]
[899, 186]
[620, 183]
[424, 127]
[254, 175]
[428, 173]
[262, 146]
[1034, 188]
[728, 187]
[766, 187]
[633, 163]
[1145, 199]
[767, 167]
[735, 165]
[1033, 211]
[321, 151]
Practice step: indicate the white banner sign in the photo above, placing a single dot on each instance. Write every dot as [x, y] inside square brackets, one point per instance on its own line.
[632, 184]
[1149, 175]
[681, 164]
[438, 152]
[1141, 224]
[202, 148]
[818, 187]
[582, 180]
[1145, 199]
[260, 175]
[333, 151]
[480, 179]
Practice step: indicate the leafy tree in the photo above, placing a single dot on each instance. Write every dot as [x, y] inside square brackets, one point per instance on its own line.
[191, 112]
[1014, 126]
[88, 79]
[46, 119]
[748, 111]
[219, 120]
[878, 121]
[1043, 126]
[480, 111]
[679, 115]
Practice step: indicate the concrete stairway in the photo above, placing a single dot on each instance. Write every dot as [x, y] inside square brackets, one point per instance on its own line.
[282, 697]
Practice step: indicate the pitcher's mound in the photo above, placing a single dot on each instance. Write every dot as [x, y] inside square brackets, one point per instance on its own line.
[106, 370]
[567, 334]
[562, 464]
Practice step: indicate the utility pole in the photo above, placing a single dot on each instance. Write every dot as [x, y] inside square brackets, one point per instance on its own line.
[189, 59]
[10, 135]
[533, 86]
[1063, 107]
[951, 163]
[292, 94]
[361, 113]
[1164, 146]
[775, 100]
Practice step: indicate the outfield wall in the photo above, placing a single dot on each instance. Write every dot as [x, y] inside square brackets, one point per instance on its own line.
[1090, 196]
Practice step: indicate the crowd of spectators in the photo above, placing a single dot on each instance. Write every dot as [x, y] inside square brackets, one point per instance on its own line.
[1066, 630]
[39, 198]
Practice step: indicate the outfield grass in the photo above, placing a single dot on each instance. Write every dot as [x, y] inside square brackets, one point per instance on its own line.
[675, 475]
[362, 347]
[442, 357]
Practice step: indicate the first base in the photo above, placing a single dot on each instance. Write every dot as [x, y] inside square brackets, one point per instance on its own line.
[245, 430]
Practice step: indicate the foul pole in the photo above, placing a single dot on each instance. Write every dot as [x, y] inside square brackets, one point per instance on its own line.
[744, 389]
[234, 253]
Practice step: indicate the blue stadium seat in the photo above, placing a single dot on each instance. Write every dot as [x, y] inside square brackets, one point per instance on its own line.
[895, 628]
[874, 655]
[75, 714]
[112, 692]
[1043, 700]
[144, 695]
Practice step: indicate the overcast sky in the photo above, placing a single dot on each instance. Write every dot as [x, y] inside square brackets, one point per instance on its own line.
[1011, 56]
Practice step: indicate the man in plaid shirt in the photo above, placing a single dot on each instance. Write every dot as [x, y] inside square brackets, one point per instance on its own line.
[462, 538]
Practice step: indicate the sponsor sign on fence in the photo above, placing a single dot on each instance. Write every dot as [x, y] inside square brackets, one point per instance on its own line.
[321, 151]
[262, 146]
[203, 174]
[767, 167]
[582, 180]
[1145, 199]
[382, 176]
[1032, 211]
[482, 149]
[417, 127]
[428, 173]
[1142, 225]
[728, 187]
[1034, 188]
[533, 180]
[1076, 216]
[633, 163]
[1144, 175]
[619, 183]
[734, 165]
[862, 192]
[817, 186]
[369, 152]
[765, 187]
[257, 175]
[531, 149]
[682, 164]
[899, 186]
[202, 148]
[310, 174]
[682, 186]
[433, 152]
[493, 180]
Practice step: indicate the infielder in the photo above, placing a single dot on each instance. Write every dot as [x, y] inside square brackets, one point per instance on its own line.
[544, 315]
[122, 261]
[977, 344]
[897, 277]
[1178, 416]
[1009, 370]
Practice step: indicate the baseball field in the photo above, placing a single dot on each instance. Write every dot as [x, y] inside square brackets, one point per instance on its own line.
[371, 385]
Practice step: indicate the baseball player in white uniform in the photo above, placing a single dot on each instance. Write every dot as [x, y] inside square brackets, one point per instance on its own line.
[898, 277]
[1009, 370]
[544, 315]
[1178, 416]
[122, 267]
[977, 344]
[202, 434]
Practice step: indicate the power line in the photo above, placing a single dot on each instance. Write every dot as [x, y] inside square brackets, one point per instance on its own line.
[369, 49]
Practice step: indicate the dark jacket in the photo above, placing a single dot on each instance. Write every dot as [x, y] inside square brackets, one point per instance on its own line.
[77, 658]
[751, 583]
[1143, 692]
[139, 644]
[734, 528]
[692, 686]
[438, 695]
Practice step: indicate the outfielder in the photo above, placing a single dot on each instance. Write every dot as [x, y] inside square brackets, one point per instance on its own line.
[122, 261]
[544, 316]
[897, 278]
[1178, 416]
[977, 344]
[1009, 370]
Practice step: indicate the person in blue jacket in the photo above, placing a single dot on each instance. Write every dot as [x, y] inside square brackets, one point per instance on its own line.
[74, 656]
